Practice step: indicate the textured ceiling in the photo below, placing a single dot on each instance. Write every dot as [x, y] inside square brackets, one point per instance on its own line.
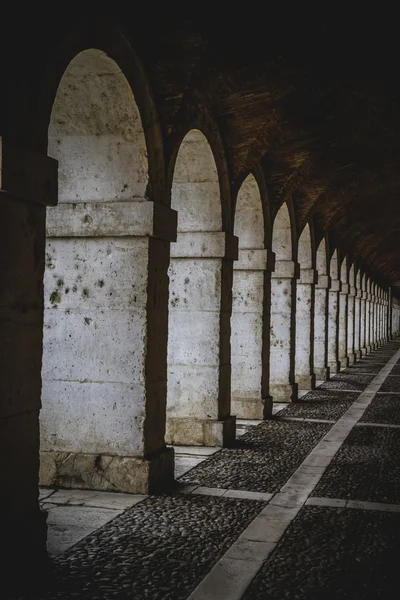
[315, 100]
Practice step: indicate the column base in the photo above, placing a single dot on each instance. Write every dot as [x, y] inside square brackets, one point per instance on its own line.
[351, 358]
[283, 392]
[26, 567]
[334, 367]
[358, 354]
[368, 349]
[200, 432]
[364, 352]
[344, 362]
[108, 473]
[251, 408]
[305, 382]
[322, 374]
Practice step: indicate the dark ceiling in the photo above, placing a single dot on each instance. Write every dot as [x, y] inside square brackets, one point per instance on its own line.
[315, 99]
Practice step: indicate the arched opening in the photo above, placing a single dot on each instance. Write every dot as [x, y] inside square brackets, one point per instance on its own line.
[368, 315]
[321, 316]
[197, 402]
[333, 315]
[305, 294]
[350, 315]
[363, 315]
[357, 316]
[282, 334]
[95, 317]
[343, 315]
[248, 304]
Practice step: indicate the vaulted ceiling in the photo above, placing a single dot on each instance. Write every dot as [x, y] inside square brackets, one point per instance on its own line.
[315, 100]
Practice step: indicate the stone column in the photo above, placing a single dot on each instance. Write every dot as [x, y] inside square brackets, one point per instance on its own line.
[350, 324]
[379, 317]
[321, 329]
[385, 320]
[381, 328]
[363, 323]
[199, 386]
[376, 320]
[357, 322]
[343, 325]
[333, 326]
[28, 182]
[368, 319]
[104, 389]
[250, 334]
[304, 362]
[282, 351]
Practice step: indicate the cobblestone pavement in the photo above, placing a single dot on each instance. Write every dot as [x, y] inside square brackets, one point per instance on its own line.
[320, 404]
[385, 408]
[332, 554]
[367, 467]
[162, 547]
[263, 459]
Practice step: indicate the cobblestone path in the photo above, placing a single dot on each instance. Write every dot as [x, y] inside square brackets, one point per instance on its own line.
[306, 506]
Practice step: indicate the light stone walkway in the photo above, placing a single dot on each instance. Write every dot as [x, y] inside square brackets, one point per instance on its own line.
[74, 514]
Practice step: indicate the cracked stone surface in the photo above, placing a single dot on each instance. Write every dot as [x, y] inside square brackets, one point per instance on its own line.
[366, 467]
[330, 553]
[263, 460]
[320, 404]
[383, 409]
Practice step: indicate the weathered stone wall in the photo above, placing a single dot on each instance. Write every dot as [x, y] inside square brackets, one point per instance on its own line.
[248, 304]
[305, 301]
[283, 301]
[200, 275]
[100, 262]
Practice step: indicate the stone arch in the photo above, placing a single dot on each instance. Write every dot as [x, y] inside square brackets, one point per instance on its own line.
[344, 308]
[98, 260]
[333, 313]
[305, 296]
[198, 399]
[321, 313]
[196, 120]
[195, 187]
[107, 35]
[322, 258]
[283, 299]
[248, 292]
[282, 235]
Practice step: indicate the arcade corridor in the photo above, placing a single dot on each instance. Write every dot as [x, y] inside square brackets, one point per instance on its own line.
[306, 505]
[199, 306]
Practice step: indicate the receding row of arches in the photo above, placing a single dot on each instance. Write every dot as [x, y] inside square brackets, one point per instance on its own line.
[151, 325]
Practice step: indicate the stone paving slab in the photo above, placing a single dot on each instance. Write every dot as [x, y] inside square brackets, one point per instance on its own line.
[67, 525]
[159, 549]
[320, 404]
[367, 467]
[332, 553]
[95, 499]
[263, 459]
[383, 409]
